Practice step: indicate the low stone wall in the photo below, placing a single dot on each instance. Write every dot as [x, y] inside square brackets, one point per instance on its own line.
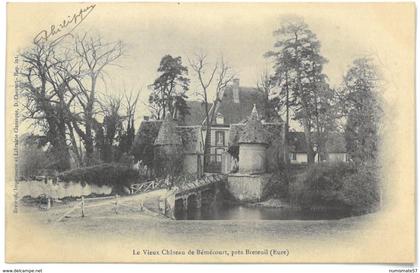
[60, 189]
[247, 187]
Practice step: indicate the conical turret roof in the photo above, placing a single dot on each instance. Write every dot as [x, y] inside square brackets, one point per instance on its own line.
[253, 131]
[168, 134]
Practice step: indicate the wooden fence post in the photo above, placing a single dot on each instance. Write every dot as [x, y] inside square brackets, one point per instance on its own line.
[83, 206]
[116, 204]
[141, 205]
[162, 205]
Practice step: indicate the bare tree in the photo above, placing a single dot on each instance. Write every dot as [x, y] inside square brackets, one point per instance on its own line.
[127, 138]
[131, 100]
[46, 100]
[220, 75]
[91, 57]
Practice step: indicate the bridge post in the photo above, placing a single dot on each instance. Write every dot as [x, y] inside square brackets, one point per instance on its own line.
[216, 192]
[198, 199]
[185, 202]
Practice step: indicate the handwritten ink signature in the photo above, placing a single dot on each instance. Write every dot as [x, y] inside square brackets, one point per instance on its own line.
[71, 21]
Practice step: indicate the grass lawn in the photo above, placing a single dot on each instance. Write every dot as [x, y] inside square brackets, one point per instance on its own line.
[100, 218]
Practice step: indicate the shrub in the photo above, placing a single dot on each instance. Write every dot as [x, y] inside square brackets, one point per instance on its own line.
[337, 185]
[278, 185]
[322, 185]
[361, 189]
[168, 160]
[103, 174]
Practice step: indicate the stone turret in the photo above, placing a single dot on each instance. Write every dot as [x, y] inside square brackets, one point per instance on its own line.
[252, 146]
[254, 131]
[168, 154]
[168, 134]
[249, 183]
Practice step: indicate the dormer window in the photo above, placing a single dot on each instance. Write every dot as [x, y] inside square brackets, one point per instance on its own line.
[220, 119]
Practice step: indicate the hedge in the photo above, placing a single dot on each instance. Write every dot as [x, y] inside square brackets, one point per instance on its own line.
[111, 174]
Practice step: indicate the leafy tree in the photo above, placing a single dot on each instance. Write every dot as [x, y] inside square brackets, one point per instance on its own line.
[143, 144]
[324, 117]
[32, 157]
[115, 135]
[127, 138]
[107, 132]
[363, 109]
[298, 67]
[168, 90]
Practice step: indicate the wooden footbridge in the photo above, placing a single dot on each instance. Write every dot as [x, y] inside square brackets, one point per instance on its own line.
[195, 193]
[189, 193]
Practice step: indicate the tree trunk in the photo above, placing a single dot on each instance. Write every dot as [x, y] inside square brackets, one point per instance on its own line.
[59, 149]
[207, 138]
[74, 145]
[89, 124]
[207, 148]
[207, 144]
[64, 163]
[286, 127]
[306, 118]
[89, 144]
[56, 135]
[309, 145]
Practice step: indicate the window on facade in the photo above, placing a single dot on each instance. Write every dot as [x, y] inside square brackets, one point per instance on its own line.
[220, 119]
[220, 138]
[219, 153]
[292, 156]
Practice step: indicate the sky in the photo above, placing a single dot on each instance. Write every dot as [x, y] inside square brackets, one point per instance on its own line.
[241, 33]
[239, 36]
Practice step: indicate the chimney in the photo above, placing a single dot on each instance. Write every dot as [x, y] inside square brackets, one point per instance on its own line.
[235, 90]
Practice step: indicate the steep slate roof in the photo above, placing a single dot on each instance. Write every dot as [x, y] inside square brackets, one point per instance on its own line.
[232, 112]
[253, 131]
[197, 113]
[273, 132]
[238, 112]
[168, 134]
[149, 130]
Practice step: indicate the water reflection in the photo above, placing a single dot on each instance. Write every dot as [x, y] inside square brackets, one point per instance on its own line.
[228, 211]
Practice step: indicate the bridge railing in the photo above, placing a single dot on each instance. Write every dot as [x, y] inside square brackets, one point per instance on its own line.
[147, 186]
[164, 183]
[203, 181]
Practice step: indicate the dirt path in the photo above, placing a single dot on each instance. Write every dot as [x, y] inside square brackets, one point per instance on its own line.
[145, 204]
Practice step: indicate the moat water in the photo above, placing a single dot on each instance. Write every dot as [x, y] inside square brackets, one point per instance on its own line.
[229, 211]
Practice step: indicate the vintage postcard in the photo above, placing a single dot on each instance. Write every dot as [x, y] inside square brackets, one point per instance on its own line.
[210, 133]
